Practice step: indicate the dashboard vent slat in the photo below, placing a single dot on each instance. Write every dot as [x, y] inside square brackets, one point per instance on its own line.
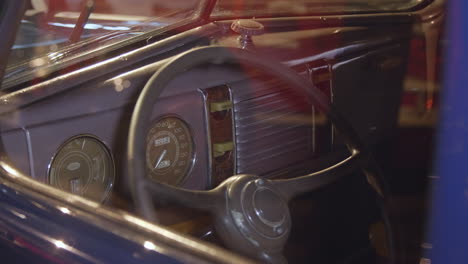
[272, 131]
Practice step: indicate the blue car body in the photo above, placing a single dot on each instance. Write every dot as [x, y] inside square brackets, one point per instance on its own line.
[447, 232]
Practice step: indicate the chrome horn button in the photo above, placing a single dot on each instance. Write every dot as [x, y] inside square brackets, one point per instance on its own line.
[269, 208]
[258, 209]
[255, 216]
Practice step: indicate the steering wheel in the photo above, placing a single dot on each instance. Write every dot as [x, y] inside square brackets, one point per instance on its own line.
[251, 213]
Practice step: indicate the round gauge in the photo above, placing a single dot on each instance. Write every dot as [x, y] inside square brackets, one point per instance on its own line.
[169, 151]
[83, 166]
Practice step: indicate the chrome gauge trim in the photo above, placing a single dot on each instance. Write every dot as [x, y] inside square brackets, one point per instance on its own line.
[192, 135]
[209, 141]
[219, 132]
[233, 127]
[104, 148]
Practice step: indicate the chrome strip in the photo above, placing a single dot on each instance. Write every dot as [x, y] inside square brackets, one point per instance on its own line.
[32, 170]
[119, 223]
[208, 136]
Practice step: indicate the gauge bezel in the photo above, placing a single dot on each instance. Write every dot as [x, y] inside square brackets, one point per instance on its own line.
[104, 146]
[192, 136]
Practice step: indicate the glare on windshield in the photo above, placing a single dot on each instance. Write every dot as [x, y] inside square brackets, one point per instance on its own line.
[53, 25]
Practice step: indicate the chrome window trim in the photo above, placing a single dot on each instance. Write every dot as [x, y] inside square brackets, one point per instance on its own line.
[117, 222]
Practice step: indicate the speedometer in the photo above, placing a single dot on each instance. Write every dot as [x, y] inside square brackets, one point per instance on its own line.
[169, 150]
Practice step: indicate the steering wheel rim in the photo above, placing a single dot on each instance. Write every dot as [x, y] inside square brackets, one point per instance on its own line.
[223, 201]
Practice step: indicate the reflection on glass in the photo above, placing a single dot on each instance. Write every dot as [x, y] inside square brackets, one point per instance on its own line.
[64, 210]
[20, 215]
[60, 244]
[149, 245]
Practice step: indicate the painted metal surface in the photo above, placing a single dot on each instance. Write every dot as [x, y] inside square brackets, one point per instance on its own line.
[42, 223]
[57, 234]
[449, 230]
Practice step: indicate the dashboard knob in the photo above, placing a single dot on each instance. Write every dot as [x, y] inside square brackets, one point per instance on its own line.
[247, 28]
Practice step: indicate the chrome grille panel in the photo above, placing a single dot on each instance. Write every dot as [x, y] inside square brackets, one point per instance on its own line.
[272, 131]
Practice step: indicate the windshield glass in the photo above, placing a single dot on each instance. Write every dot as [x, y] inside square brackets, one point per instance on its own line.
[55, 26]
[135, 129]
[259, 8]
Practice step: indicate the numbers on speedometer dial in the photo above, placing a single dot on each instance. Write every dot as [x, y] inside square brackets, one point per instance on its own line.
[169, 151]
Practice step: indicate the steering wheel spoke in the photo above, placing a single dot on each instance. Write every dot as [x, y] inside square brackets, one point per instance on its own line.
[203, 200]
[316, 180]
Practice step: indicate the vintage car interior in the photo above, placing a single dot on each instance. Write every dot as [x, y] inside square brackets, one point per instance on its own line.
[283, 131]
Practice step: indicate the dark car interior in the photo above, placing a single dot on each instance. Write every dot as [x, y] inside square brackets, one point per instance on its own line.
[368, 78]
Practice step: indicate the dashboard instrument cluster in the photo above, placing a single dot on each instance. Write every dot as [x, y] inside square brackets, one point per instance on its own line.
[199, 135]
[169, 150]
[236, 128]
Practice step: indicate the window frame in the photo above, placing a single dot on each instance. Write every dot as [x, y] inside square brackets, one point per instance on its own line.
[418, 5]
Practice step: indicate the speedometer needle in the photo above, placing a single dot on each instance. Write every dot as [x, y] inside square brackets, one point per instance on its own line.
[163, 154]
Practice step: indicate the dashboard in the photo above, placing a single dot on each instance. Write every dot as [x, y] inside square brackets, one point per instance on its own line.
[210, 123]
[200, 133]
